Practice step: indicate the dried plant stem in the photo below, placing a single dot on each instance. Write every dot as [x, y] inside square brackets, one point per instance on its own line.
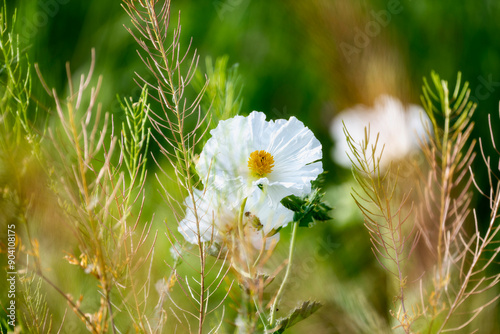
[110, 310]
[395, 237]
[478, 253]
[76, 142]
[287, 273]
[164, 59]
[448, 184]
[103, 277]
[201, 249]
[73, 305]
[393, 230]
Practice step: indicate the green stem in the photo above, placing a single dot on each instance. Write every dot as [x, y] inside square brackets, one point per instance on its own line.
[287, 273]
[444, 176]
[240, 220]
[262, 249]
[241, 233]
[245, 308]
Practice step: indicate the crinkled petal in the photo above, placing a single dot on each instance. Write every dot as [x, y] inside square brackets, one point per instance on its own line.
[223, 163]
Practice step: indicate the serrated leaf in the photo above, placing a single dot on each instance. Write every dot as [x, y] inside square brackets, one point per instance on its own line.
[320, 181]
[298, 314]
[307, 209]
[321, 212]
[292, 202]
[305, 219]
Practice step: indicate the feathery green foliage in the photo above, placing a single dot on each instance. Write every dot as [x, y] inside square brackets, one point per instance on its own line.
[15, 83]
[446, 196]
[463, 251]
[36, 316]
[223, 93]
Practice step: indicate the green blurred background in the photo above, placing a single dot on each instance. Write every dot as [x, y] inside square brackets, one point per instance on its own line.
[309, 59]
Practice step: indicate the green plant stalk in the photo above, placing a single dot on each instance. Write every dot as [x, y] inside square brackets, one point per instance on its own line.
[287, 273]
[245, 312]
[136, 121]
[245, 303]
[240, 222]
[262, 249]
[444, 174]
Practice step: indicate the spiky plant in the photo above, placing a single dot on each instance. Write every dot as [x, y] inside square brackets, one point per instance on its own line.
[102, 198]
[165, 59]
[387, 211]
[461, 251]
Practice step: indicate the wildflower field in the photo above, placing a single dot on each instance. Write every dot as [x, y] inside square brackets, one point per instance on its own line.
[238, 166]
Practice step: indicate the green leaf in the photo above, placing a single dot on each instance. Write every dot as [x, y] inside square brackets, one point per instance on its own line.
[320, 181]
[322, 212]
[292, 202]
[304, 219]
[307, 209]
[298, 314]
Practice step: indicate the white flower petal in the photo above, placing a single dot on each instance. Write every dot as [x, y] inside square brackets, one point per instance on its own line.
[271, 216]
[217, 218]
[223, 163]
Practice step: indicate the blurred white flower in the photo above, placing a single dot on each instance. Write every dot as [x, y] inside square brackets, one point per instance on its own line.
[249, 154]
[399, 128]
[218, 220]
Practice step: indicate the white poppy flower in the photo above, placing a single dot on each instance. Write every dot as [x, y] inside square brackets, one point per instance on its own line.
[399, 128]
[217, 220]
[249, 154]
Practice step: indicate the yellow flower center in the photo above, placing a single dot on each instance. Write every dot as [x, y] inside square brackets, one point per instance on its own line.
[260, 163]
